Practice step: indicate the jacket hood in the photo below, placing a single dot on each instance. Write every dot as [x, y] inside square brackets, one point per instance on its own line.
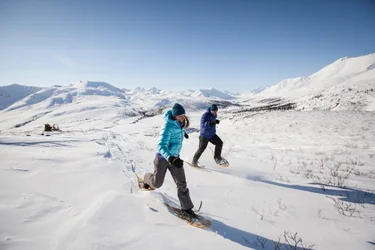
[167, 115]
[168, 118]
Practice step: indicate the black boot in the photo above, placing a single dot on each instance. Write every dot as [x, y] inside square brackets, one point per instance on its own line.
[195, 164]
[189, 213]
[218, 159]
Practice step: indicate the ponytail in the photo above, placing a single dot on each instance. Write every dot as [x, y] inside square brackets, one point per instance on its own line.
[187, 122]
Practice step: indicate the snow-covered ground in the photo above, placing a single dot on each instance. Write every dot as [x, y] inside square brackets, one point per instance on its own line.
[75, 189]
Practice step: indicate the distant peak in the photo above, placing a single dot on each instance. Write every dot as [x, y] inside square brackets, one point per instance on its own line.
[138, 89]
[344, 58]
[14, 85]
[212, 93]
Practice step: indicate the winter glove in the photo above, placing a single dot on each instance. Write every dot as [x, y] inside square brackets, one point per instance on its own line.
[212, 122]
[171, 159]
[176, 161]
[217, 121]
[186, 136]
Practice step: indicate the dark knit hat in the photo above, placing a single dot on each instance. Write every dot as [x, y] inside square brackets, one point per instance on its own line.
[177, 110]
[214, 107]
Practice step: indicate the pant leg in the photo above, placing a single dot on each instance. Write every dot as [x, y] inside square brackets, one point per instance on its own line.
[203, 142]
[218, 145]
[179, 178]
[156, 179]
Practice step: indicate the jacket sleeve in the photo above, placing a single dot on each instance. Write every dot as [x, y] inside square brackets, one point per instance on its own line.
[165, 137]
[205, 120]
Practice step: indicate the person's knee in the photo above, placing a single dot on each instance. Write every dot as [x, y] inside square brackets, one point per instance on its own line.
[182, 186]
[202, 148]
[201, 151]
[156, 182]
[220, 142]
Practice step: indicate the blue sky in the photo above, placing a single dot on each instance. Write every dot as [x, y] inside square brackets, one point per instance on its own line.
[177, 45]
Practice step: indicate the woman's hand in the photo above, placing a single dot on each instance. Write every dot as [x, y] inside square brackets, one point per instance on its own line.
[176, 161]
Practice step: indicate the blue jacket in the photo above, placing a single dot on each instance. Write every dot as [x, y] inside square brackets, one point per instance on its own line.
[208, 131]
[171, 137]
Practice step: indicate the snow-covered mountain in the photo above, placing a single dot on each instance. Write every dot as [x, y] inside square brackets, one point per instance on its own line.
[212, 93]
[188, 92]
[58, 95]
[251, 93]
[355, 70]
[259, 89]
[79, 101]
[233, 94]
[153, 97]
[12, 93]
[348, 83]
[149, 92]
[83, 100]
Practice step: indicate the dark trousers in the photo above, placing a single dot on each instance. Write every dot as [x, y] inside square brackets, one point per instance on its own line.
[156, 180]
[203, 142]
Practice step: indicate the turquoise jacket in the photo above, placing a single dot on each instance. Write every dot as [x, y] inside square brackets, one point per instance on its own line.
[171, 137]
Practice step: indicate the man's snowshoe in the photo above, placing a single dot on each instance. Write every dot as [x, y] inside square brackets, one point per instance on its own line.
[195, 165]
[221, 161]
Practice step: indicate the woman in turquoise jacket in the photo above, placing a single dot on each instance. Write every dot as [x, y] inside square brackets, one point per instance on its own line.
[168, 157]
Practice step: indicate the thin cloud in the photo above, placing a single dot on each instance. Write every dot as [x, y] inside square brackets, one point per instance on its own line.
[66, 61]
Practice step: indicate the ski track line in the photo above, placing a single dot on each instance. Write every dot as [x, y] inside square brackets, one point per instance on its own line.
[114, 144]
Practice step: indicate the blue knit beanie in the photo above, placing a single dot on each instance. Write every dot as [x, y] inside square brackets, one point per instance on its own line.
[214, 107]
[177, 110]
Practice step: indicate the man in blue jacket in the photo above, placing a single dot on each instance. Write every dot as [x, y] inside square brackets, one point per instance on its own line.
[208, 134]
